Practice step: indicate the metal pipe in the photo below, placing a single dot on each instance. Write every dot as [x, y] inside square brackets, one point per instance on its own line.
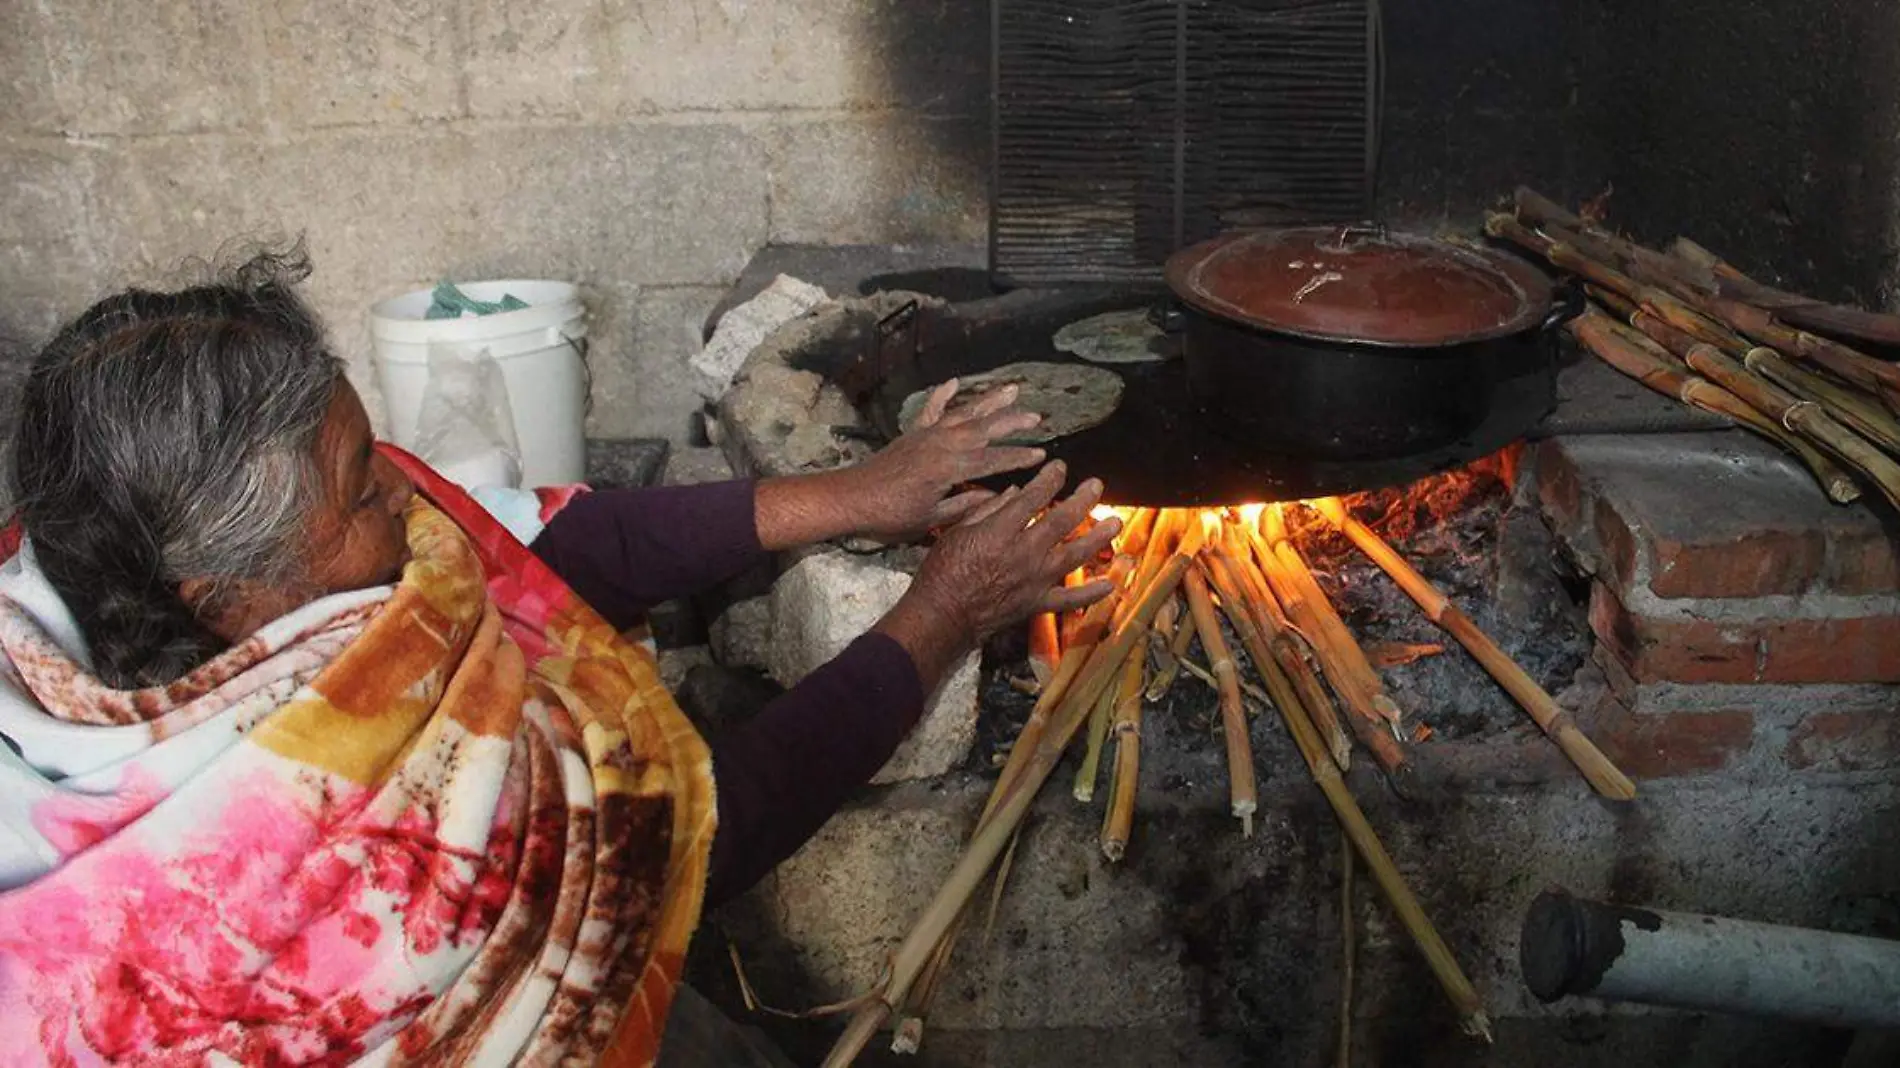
[1572, 947]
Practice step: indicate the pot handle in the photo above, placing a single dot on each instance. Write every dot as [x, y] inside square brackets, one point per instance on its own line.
[1352, 235]
[1566, 304]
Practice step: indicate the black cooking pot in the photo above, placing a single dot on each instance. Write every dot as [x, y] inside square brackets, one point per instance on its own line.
[1355, 343]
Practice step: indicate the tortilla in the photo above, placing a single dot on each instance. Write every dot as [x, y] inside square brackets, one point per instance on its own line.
[1115, 337]
[1069, 397]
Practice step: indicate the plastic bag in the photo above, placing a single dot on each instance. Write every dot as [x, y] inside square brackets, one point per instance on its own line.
[466, 429]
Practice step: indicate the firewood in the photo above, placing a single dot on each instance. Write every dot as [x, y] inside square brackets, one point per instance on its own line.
[1803, 311]
[1802, 416]
[1641, 358]
[1597, 769]
[1241, 793]
[1118, 822]
[1857, 411]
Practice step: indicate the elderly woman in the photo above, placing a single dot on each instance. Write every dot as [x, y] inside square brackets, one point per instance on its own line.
[308, 759]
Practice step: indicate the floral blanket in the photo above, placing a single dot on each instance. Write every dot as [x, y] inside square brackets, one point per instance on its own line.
[454, 821]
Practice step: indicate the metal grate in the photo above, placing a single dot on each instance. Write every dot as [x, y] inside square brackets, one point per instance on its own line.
[1124, 131]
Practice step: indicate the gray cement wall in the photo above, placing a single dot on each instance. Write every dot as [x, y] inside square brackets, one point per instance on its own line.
[645, 148]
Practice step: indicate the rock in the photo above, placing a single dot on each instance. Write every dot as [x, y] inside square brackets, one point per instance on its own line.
[827, 601]
[742, 635]
[675, 664]
[718, 698]
[743, 328]
[690, 467]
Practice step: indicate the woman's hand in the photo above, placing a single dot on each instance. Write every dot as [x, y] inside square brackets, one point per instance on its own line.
[907, 489]
[997, 567]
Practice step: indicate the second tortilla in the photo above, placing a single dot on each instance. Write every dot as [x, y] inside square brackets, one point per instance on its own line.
[1070, 398]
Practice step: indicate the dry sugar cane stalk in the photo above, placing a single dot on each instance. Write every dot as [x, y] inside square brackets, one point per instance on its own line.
[1345, 664]
[1168, 626]
[1602, 775]
[1698, 287]
[1119, 821]
[1803, 311]
[1242, 586]
[1241, 793]
[915, 953]
[1856, 410]
[1804, 417]
[1091, 769]
[1641, 358]
[1438, 956]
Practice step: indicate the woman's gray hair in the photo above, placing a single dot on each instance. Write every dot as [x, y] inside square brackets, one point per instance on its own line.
[170, 436]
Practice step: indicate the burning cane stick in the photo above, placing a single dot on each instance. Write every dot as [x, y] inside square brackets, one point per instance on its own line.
[1240, 774]
[1597, 769]
[1171, 645]
[1344, 663]
[1126, 776]
[1011, 805]
[1045, 647]
[1641, 358]
[1242, 587]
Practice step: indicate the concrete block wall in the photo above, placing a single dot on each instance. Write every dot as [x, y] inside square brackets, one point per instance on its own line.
[645, 148]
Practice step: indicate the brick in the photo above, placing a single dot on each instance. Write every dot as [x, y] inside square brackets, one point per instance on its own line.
[1755, 563]
[1673, 744]
[1845, 741]
[874, 179]
[350, 62]
[1769, 649]
[1863, 561]
[1711, 515]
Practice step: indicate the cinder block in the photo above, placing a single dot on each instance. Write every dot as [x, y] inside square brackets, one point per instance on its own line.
[637, 353]
[642, 204]
[132, 66]
[50, 267]
[350, 62]
[871, 179]
[824, 603]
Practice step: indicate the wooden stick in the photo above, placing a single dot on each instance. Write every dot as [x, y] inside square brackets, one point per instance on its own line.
[1119, 821]
[1597, 769]
[1458, 989]
[1855, 410]
[1803, 417]
[1345, 664]
[1103, 667]
[1642, 359]
[1241, 792]
[1618, 305]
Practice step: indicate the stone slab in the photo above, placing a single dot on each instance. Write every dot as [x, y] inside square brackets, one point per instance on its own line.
[1714, 516]
[1241, 936]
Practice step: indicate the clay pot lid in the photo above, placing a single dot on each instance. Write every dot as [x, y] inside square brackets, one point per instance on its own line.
[1360, 283]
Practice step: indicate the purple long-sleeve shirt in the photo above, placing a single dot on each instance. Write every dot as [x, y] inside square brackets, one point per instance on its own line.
[780, 775]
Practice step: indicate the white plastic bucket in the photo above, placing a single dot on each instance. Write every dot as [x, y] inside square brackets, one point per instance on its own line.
[541, 350]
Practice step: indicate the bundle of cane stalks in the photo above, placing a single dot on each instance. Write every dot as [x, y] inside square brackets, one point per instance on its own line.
[1687, 324]
[1232, 585]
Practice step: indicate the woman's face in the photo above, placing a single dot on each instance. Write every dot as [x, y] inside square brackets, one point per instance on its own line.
[357, 537]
